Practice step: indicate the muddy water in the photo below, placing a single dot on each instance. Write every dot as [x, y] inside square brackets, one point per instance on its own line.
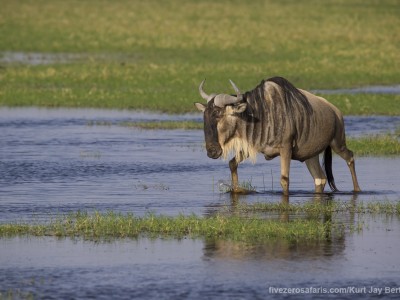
[52, 162]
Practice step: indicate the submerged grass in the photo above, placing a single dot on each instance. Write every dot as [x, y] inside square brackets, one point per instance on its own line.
[153, 54]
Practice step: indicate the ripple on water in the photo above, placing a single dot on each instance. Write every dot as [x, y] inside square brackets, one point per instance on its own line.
[51, 162]
[51, 159]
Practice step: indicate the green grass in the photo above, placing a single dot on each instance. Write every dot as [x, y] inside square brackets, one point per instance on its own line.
[240, 227]
[384, 207]
[245, 187]
[153, 54]
[111, 225]
[16, 294]
[375, 145]
[366, 104]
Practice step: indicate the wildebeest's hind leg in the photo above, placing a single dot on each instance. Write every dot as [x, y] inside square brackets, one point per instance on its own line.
[347, 155]
[233, 165]
[317, 173]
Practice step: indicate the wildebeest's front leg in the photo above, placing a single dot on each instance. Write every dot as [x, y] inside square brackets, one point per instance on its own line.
[286, 156]
[233, 165]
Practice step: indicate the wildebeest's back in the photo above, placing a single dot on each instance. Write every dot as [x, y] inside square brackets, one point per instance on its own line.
[326, 123]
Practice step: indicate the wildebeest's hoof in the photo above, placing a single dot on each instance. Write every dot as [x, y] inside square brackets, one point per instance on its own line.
[242, 191]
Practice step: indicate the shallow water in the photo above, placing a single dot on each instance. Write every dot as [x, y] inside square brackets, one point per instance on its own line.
[37, 58]
[126, 269]
[373, 89]
[53, 162]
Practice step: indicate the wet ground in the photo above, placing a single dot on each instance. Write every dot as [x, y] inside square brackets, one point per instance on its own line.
[54, 162]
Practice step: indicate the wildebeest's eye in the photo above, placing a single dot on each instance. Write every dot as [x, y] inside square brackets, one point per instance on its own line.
[217, 113]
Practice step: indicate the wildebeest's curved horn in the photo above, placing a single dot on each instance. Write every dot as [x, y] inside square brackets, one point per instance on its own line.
[203, 93]
[223, 99]
[235, 87]
[238, 93]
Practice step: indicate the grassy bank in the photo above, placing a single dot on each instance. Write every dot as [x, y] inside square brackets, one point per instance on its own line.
[153, 54]
[365, 104]
[375, 145]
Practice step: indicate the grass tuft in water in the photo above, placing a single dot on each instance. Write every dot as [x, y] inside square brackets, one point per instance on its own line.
[16, 294]
[246, 186]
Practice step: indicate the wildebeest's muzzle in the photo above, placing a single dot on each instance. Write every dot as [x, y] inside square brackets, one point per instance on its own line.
[213, 147]
[214, 151]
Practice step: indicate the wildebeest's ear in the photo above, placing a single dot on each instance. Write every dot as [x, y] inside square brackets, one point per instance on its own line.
[200, 107]
[238, 109]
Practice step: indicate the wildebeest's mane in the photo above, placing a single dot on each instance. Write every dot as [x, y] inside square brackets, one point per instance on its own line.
[293, 107]
[255, 99]
[294, 99]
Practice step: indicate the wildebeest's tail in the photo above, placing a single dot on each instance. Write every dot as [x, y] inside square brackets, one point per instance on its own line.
[328, 168]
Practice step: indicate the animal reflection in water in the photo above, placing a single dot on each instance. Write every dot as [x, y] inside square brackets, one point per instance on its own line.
[274, 249]
[276, 119]
[281, 248]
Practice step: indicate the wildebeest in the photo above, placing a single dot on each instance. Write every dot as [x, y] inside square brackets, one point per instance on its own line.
[276, 119]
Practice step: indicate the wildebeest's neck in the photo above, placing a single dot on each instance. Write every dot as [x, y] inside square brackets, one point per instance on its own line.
[258, 121]
[276, 113]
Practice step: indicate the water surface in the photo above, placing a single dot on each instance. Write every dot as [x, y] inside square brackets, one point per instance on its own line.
[125, 269]
[53, 162]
